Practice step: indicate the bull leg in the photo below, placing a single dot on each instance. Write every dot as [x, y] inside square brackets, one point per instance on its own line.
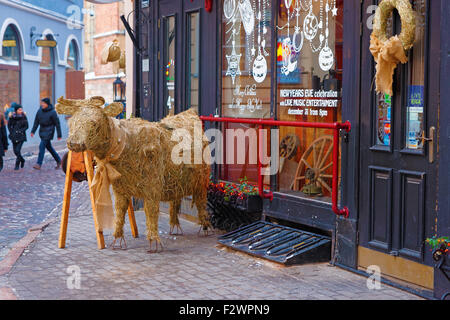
[151, 209]
[174, 221]
[121, 204]
[203, 216]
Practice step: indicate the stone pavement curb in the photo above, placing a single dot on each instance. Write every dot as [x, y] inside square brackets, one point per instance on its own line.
[14, 254]
[11, 258]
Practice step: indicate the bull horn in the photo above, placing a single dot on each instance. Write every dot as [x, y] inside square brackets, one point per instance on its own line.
[72, 102]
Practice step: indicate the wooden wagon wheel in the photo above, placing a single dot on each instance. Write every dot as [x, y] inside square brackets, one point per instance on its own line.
[289, 145]
[314, 163]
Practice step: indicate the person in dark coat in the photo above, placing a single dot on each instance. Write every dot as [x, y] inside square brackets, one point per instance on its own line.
[48, 120]
[17, 126]
[3, 139]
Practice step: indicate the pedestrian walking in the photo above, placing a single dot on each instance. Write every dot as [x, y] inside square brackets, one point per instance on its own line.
[17, 126]
[48, 120]
[3, 138]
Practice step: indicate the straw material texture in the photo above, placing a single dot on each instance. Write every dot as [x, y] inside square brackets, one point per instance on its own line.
[140, 164]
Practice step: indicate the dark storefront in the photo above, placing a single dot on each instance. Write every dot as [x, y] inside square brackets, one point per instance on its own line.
[309, 61]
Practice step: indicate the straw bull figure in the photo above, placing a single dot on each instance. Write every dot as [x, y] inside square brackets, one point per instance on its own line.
[136, 157]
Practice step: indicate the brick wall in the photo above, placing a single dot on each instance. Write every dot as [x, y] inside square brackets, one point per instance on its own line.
[106, 20]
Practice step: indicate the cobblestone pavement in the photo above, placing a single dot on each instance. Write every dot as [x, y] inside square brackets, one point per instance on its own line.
[28, 196]
[190, 267]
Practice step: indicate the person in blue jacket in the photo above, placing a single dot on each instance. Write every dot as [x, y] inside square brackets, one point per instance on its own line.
[48, 120]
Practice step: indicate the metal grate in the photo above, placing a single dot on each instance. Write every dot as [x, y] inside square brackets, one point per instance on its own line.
[279, 243]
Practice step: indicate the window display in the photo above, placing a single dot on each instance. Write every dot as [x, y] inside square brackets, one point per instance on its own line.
[309, 77]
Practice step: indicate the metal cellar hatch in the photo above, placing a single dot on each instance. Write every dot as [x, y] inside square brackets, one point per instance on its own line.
[278, 243]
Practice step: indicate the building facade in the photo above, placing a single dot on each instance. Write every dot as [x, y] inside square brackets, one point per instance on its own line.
[309, 61]
[102, 25]
[41, 53]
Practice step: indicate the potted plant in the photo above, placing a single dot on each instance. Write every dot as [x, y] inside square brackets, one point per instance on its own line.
[233, 205]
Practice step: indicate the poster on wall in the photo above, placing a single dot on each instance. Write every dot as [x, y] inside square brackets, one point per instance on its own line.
[415, 116]
[309, 79]
[246, 64]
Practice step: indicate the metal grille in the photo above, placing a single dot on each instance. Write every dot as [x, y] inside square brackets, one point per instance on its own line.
[279, 243]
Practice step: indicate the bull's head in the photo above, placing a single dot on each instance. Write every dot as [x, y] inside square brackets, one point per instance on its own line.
[89, 126]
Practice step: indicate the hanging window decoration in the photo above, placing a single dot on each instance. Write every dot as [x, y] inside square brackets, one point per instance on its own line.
[309, 56]
[246, 58]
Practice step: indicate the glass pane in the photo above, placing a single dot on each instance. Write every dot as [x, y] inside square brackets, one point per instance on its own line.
[46, 85]
[383, 106]
[246, 61]
[10, 45]
[193, 60]
[384, 119]
[415, 106]
[72, 56]
[47, 58]
[309, 77]
[9, 86]
[169, 62]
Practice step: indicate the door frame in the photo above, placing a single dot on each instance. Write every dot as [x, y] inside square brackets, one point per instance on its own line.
[432, 104]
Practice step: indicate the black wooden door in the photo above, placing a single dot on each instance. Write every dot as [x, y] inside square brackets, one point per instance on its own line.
[398, 173]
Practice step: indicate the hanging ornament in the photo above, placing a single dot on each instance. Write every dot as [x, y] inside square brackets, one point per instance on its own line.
[247, 16]
[229, 8]
[233, 64]
[326, 58]
[311, 25]
[259, 68]
[297, 32]
[260, 64]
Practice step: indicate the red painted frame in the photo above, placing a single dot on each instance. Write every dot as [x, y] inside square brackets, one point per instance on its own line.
[335, 126]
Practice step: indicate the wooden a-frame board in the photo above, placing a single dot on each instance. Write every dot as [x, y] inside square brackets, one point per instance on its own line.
[66, 203]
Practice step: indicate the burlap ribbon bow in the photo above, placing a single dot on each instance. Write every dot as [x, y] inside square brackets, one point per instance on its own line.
[105, 174]
[387, 55]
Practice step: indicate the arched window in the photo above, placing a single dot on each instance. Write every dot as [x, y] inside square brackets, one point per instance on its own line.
[47, 72]
[10, 64]
[72, 56]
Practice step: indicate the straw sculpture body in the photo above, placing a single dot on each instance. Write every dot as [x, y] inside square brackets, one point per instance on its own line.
[136, 157]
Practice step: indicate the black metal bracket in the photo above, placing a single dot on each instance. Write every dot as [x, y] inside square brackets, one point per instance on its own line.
[345, 135]
[142, 20]
[34, 35]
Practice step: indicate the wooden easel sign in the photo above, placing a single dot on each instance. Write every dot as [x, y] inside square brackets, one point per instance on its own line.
[87, 158]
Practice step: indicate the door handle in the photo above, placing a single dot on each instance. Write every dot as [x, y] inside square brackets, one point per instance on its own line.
[430, 140]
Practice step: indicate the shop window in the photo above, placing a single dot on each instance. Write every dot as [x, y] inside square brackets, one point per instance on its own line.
[193, 60]
[10, 66]
[246, 58]
[47, 72]
[309, 89]
[246, 81]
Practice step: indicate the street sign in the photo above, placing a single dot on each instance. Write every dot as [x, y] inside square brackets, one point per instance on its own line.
[46, 43]
[9, 43]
